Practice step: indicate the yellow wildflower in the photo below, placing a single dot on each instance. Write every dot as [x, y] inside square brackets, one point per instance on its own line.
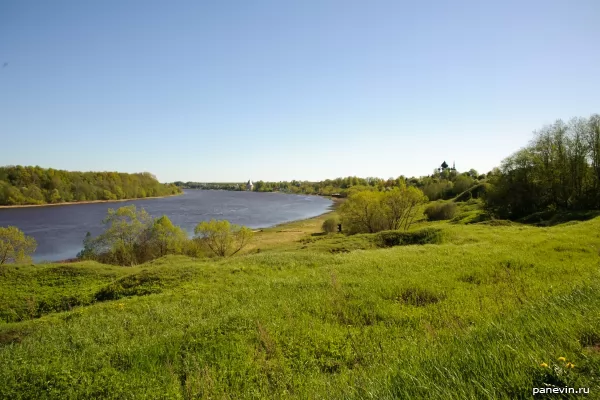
[562, 359]
[570, 365]
[544, 365]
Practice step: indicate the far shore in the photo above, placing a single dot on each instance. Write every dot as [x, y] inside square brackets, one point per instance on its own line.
[88, 202]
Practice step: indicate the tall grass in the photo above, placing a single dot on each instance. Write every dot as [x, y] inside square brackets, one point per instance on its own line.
[470, 318]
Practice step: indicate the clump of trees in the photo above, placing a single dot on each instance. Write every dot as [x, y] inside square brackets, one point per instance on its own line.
[558, 170]
[371, 211]
[223, 238]
[34, 185]
[132, 237]
[15, 246]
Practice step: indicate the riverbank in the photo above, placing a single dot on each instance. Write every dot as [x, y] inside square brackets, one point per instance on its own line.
[282, 235]
[289, 233]
[87, 202]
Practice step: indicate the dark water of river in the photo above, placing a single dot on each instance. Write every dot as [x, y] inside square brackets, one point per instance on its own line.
[59, 230]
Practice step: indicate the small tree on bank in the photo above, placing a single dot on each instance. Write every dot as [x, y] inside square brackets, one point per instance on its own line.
[223, 238]
[15, 246]
[166, 238]
[330, 225]
[124, 235]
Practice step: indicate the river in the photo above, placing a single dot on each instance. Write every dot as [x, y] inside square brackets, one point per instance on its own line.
[59, 230]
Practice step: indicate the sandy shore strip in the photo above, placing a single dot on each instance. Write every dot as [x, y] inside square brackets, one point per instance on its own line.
[87, 202]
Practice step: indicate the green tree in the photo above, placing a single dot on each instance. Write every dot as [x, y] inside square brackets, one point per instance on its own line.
[401, 206]
[223, 238]
[54, 196]
[15, 246]
[166, 238]
[125, 236]
[370, 211]
[362, 213]
[33, 195]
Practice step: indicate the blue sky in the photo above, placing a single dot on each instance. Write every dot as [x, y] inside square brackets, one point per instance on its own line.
[282, 90]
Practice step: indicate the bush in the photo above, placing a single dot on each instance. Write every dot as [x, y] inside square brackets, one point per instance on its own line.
[330, 225]
[440, 211]
[400, 238]
[223, 238]
[194, 248]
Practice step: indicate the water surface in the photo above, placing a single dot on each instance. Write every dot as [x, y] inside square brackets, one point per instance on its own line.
[59, 230]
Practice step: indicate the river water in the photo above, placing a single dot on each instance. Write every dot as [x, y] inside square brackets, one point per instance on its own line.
[59, 230]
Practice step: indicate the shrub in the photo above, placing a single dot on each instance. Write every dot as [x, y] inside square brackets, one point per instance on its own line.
[440, 211]
[330, 225]
[399, 238]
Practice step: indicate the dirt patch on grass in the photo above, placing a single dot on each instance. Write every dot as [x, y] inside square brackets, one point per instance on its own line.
[11, 336]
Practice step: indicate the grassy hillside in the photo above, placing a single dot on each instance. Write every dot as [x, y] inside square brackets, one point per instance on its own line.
[315, 317]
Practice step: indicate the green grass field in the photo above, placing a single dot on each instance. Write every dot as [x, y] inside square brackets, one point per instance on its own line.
[315, 316]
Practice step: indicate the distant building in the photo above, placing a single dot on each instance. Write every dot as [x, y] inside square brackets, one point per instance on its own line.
[249, 185]
[445, 166]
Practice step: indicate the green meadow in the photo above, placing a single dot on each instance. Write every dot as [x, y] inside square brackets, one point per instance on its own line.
[483, 311]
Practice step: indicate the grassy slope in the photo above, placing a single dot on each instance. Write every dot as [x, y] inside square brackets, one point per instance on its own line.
[471, 318]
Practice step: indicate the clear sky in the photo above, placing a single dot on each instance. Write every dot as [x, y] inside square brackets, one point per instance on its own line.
[282, 90]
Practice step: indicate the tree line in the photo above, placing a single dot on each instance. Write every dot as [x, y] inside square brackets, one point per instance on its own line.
[35, 185]
[443, 184]
[558, 170]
